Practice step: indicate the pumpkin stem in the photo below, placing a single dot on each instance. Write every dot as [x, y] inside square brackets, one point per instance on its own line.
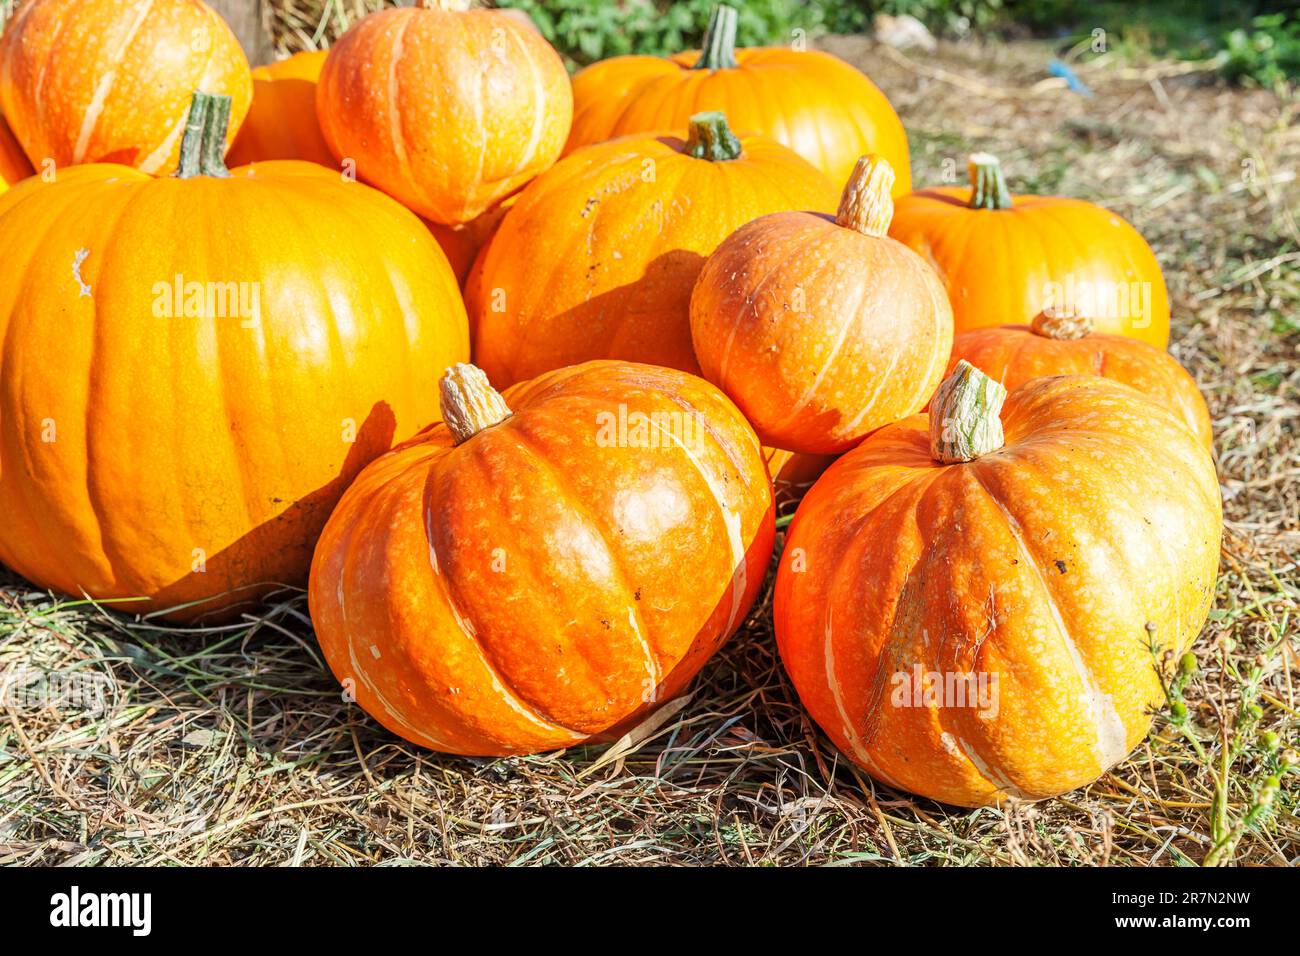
[988, 187]
[451, 6]
[866, 204]
[1061, 322]
[718, 52]
[710, 138]
[203, 146]
[469, 403]
[964, 422]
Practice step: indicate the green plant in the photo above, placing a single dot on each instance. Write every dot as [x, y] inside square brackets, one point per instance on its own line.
[1268, 53]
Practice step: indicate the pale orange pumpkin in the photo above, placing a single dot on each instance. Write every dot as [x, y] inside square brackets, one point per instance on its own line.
[1005, 258]
[180, 413]
[1062, 342]
[550, 565]
[822, 329]
[111, 81]
[815, 103]
[282, 121]
[973, 606]
[472, 106]
[598, 256]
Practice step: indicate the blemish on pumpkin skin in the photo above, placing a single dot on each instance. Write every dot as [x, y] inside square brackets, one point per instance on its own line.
[78, 258]
[1060, 565]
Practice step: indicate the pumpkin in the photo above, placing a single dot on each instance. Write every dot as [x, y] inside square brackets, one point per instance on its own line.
[13, 161]
[111, 81]
[598, 256]
[549, 565]
[282, 121]
[818, 105]
[179, 413]
[972, 606]
[1060, 341]
[473, 105]
[1005, 258]
[822, 329]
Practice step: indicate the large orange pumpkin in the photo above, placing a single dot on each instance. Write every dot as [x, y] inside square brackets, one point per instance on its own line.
[813, 102]
[472, 104]
[1005, 258]
[972, 607]
[179, 411]
[111, 81]
[549, 565]
[13, 161]
[1060, 341]
[282, 121]
[822, 329]
[598, 256]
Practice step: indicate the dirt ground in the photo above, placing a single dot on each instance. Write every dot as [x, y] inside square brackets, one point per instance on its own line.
[234, 746]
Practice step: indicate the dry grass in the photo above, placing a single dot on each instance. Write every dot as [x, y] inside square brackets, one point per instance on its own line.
[234, 746]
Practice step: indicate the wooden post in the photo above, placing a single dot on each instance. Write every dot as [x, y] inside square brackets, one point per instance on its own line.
[249, 25]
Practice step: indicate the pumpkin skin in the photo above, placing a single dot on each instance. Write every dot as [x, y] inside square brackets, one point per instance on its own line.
[195, 458]
[1051, 564]
[475, 105]
[1062, 344]
[111, 81]
[532, 588]
[282, 121]
[822, 329]
[598, 257]
[815, 103]
[1036, 251]
[14, 166]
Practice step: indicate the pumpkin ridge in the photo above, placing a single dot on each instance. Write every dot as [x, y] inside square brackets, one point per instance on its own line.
[733, 332]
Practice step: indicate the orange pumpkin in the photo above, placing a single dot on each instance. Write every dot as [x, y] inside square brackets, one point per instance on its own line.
[473, 105]
[13, 161]
[598, 257]
[818, 105]
[1061, 342]
[548, 566]
[111, 81]
[1003, 256]
[178, 418]
[822, 329]
[282, 121]
[970, 606]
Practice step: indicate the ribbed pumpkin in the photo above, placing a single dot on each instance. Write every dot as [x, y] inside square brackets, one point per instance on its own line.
[548, 566]
[1005, 258]
[180, 412]
[1061, 341]
[598, 257]
[472, 105]
[823, 329]
[111, 81]
[282, 121]
[811, 101]
[13, 161]
[972, 607]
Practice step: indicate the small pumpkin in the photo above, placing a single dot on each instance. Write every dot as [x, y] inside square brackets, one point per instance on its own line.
[822, 329]
[972, 606]
[282, 121]
[14, 166]
[549, 565]
[111, 81]
[815, 103]
[1008, 257]
[474, 104]
[598, 256]
[1061, 341]
[179, 414]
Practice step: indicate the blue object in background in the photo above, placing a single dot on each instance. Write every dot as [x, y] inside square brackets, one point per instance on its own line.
[1057, 68]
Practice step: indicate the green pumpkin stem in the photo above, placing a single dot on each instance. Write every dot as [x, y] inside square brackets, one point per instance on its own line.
[469, 403]
[719, 48]
[964, 422]
[988, 187]
[710, 138]
[203, 147]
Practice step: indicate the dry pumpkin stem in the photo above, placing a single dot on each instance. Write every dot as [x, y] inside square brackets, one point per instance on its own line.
[964, 422]
[866, 204]
[469, 403]
[1062, 323]
[233, 745]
